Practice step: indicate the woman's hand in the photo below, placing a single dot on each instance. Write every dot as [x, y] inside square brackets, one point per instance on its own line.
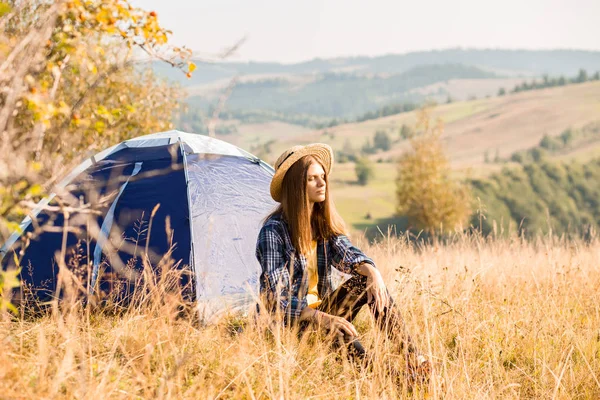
[376, 290]
[337, 325]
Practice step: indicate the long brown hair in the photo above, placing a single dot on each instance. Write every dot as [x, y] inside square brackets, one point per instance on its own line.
[325, 222]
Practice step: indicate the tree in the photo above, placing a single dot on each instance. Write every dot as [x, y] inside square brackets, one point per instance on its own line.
[538, 154]
[550, 143]
[567, 136]
[582, 76]
[406, 132]
[367, 148]
[518, 157]
[364, 170]
[347, 153]
[382, 141]
[70, 85]
[497, 156]
[501, 92]
[425, 191]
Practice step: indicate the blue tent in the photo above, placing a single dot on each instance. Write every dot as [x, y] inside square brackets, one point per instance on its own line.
[204, 200]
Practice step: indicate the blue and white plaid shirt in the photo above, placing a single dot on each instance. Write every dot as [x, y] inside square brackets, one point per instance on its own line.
[276, 253]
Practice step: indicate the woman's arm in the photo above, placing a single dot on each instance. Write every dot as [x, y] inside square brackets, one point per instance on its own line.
[276, 272]
[376, 290]
[349, 258]
[346, 257]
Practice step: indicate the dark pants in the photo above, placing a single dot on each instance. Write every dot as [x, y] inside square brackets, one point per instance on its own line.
[347, 300]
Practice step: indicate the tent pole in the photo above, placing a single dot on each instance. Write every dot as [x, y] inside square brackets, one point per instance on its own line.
[189, 199]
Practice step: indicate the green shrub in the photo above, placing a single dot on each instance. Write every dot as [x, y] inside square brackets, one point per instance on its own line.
[382, 141]
[364, 171]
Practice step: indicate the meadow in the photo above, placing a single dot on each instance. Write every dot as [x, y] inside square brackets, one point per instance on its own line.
[500, 318]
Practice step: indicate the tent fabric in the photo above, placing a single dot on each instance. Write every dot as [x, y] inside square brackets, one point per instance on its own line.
[225, 225]
[208, 197]
[104, 234]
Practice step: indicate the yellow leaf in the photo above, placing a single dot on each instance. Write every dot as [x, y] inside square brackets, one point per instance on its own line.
[99, 126]
[21, 185]
[191, 67]
[35, 190]
[14, 227]
[5, 8]
[9, 280]
[36, 166]
[10, 307]
[64, 108]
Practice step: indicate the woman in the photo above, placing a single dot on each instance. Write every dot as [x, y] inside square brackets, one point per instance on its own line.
[299, 244]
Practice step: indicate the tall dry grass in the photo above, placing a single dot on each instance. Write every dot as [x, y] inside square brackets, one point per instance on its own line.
[500, 318]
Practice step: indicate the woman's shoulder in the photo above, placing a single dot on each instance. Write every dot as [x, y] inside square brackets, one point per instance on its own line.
[276, 223]
[273, 230]
[273, 220]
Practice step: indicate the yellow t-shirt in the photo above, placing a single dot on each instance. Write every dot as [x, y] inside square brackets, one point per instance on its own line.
[313, 277]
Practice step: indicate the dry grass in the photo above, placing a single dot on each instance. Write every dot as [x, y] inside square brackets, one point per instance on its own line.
[499, 318]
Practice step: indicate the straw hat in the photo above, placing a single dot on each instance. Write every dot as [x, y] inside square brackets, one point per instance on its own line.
[320, 151]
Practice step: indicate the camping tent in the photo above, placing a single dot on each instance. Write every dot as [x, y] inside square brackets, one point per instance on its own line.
[199, 198]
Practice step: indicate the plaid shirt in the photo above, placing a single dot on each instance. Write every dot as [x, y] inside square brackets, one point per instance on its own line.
[276, 253]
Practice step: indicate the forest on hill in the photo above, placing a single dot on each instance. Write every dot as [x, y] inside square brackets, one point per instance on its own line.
[539, 197]
[337, 95]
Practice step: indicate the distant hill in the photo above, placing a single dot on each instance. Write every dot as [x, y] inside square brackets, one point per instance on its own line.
[496, 126]
[481, 137]
[503, 62]
[346, 88]
[500, 125]
[339, 95]
[477, 133]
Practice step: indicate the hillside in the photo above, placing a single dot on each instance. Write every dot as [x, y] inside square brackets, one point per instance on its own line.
[335, 95]
[541, 197]
[499, 125]
[346, 88]
[506, 124]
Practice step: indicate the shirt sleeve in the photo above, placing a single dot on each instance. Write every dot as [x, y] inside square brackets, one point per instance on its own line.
[276, 272]
[346, 257]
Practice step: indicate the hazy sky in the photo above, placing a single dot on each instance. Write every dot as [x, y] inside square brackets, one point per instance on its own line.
[291, 31]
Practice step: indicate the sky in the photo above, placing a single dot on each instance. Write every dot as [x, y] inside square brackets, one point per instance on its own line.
[293, 31]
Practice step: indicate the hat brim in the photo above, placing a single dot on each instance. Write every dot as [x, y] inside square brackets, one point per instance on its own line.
[320, 151]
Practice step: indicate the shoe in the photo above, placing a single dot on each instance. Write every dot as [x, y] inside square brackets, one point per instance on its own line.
[418, 369]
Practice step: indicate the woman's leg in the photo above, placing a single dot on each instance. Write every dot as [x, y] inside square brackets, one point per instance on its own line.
[347, 300]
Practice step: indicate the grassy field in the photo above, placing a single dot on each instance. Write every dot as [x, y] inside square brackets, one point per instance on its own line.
[500, 319]
[362, 206]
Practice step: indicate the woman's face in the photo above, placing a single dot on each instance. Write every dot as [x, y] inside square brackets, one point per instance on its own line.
[315, 184]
